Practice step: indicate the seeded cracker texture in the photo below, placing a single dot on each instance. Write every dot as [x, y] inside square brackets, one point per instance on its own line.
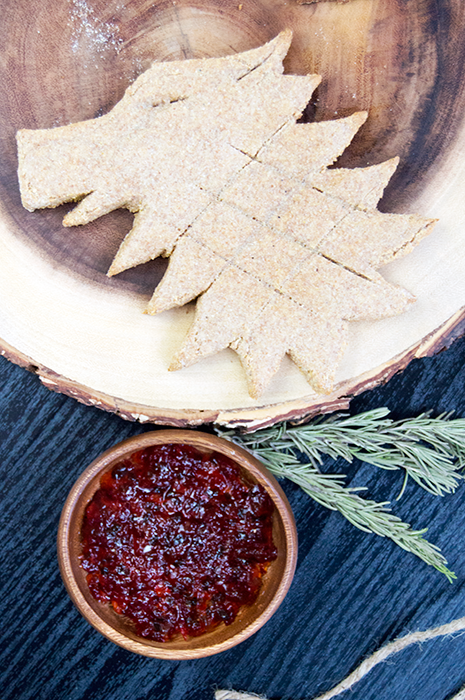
[281, 251]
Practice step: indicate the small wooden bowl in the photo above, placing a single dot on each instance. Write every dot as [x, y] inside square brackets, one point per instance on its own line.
[119, 629]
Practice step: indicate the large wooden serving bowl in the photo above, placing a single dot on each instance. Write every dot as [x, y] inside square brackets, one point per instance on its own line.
[85, 334]
[119, 629]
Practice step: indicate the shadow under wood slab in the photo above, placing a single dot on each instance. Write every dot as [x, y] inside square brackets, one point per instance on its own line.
[86, 333]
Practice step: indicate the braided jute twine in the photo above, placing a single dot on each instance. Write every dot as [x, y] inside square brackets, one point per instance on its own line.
[369, 663]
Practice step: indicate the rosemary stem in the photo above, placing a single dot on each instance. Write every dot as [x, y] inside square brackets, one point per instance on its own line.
[431, 451]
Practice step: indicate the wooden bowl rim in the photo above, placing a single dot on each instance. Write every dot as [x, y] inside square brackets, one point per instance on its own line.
[202, 441]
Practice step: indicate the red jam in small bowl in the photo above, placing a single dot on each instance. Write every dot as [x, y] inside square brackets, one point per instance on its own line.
[177, 540]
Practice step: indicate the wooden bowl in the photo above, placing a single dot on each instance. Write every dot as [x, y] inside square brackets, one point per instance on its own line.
[119, 629]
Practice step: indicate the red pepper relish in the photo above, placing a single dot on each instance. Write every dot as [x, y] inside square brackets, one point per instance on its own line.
[177, 541]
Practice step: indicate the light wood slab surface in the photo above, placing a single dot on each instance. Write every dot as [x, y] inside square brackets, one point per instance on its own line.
[85, 334]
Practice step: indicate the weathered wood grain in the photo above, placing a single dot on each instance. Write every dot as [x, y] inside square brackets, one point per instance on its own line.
[351, 593]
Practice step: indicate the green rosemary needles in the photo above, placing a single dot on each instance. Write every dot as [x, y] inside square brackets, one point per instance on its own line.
[431, 451]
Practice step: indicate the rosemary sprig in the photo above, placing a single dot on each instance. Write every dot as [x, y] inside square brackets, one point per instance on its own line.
[430, 450]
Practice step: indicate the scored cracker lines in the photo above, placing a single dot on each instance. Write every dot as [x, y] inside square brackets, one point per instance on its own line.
[344, 130]
[212, 271]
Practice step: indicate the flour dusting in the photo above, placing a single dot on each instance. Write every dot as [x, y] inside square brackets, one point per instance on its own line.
[87, 26]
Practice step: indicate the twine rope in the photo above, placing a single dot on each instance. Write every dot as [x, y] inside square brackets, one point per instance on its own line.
[365, 667]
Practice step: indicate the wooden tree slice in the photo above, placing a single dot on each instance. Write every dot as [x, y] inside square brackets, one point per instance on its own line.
[85, 334]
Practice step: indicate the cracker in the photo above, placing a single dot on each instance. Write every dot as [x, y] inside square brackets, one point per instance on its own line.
[282, 251]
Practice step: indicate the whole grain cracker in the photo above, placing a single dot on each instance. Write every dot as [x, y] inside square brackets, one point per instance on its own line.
[282, 252]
